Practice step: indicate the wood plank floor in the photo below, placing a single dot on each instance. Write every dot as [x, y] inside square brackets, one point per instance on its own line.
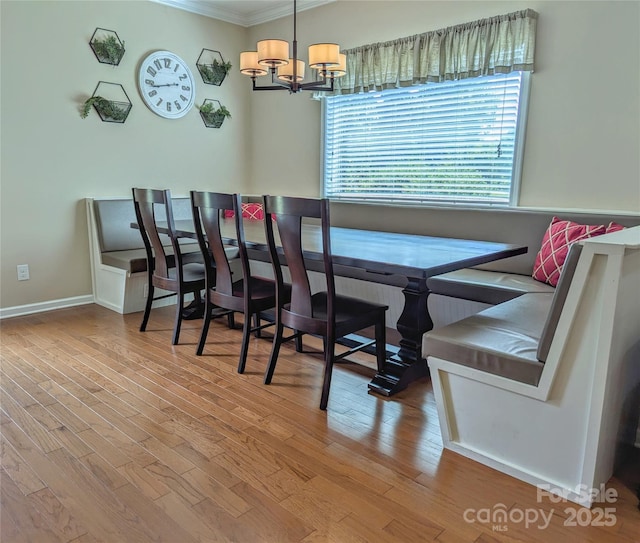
[113, 435]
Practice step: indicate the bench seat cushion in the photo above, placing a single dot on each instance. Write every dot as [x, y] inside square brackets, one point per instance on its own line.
[489, 287]
[135, 260]
[502, 340]
[132, 260]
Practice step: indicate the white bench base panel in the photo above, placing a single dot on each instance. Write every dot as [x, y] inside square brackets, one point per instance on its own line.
[124, 292]
[565, 432]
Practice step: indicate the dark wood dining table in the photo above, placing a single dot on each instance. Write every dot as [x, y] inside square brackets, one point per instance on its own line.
[404, 260]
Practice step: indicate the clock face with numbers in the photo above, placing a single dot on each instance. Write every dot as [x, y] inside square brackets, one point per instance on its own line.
[166, 84]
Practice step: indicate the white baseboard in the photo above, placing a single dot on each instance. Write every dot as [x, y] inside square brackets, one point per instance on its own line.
[40, 307]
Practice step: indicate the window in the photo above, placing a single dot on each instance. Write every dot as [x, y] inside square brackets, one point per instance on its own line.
[453, 142]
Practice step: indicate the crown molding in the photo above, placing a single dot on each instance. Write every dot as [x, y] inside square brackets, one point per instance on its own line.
[239, 17]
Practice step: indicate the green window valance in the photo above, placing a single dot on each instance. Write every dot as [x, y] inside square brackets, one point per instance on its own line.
[500, 44]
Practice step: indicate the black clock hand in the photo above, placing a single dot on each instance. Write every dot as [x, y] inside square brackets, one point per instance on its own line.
[167, 85]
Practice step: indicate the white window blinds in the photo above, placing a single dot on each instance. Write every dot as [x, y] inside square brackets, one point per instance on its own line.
[453, 142]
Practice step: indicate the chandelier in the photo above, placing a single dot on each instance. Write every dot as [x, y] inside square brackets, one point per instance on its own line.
[287, 72]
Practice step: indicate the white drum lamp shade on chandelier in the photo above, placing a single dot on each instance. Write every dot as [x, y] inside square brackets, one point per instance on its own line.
[287, 71]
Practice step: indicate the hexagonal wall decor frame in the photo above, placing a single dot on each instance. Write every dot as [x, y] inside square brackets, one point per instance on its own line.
[107, 46]
[212, 67]
[213, 113]
[111, 102]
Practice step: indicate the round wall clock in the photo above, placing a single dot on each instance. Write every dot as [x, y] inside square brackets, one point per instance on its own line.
[166, 84]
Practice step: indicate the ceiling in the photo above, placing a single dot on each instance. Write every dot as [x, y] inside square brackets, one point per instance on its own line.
[243, 12]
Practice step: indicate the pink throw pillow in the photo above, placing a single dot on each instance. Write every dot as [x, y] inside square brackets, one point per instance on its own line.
[555, 247]
[614, 227]
[253, 212]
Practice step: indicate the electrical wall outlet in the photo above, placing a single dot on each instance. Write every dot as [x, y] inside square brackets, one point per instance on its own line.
[23, 272]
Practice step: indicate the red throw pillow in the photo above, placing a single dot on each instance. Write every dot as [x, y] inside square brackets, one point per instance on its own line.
[249, 211]
[555, 247]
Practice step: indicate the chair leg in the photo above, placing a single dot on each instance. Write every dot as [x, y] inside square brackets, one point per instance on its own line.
[246, 334]
[328, 370]
[231, 320]
[178, 322]
[381, 344]
[275, 350]
[147, 308]
[298, 342]
[256, 324]
[205, 326]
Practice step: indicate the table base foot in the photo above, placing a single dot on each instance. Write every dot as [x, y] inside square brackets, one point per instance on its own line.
[397, 376]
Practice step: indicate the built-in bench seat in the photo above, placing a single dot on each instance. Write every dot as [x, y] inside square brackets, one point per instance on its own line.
[135, 260]
[118, 256]
[132, 260]
[536, 386]
[489, 287]
[502, 340]
[503, 280]
[120, 245]
[510, 339]
[452, 299]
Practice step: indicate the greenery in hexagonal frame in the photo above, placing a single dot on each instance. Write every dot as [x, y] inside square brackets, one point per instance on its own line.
[213, 115]
[212, 67]
[114, 108]
[107, 46]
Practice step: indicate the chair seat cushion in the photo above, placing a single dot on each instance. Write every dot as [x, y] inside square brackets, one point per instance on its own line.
[346, 307]
[352, 314]
[502, 340]
[261, 288]
[489, 287]
[190, 272]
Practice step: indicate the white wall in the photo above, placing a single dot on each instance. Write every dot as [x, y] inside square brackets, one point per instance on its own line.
[581, 145]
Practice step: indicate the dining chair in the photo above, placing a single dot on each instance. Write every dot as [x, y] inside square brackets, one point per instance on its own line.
[324, 313]
[166, 268]
[248, 294]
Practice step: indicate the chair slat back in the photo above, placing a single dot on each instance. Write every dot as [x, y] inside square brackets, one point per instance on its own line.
[289, 213]
[208, 208]
[238, 200]
[146, 202]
